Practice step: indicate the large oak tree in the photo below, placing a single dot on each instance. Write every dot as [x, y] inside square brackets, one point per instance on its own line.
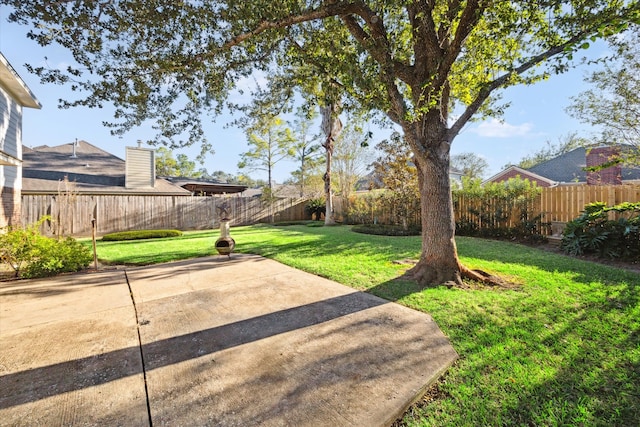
[416, 61]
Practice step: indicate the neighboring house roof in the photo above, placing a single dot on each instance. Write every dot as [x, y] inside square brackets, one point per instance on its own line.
[279, 190]
[286, 190]
[514, 171]
[92, 170]
[567, 168]
[205, 187]
[11, 81]
[570, 167]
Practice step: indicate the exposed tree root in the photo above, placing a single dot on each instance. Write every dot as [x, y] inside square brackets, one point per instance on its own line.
[461, 279]
[484, 277]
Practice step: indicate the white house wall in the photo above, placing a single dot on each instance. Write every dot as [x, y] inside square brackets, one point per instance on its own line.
[10, 153]
[10, 128]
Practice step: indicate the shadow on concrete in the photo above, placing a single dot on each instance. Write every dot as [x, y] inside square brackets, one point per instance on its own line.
[35, 384]
[337, 385]
[62, 284]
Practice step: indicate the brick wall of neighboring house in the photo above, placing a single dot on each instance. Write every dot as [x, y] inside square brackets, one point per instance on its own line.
[514, 174]
[9, 207]
[611, 175]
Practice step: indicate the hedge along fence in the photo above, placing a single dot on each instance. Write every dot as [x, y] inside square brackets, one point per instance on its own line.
[113, 213]
[493, 210]
[505, 209]
[562, 203]
[377, 207]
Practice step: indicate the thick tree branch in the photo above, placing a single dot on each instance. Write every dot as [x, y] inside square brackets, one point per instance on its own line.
[426, 49]
[444, 32]
[376, 43]
[389, 68]
[468, 21]
[327, 10]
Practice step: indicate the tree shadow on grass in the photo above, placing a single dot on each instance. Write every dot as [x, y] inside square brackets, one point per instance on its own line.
[542, 355]
[548, 365]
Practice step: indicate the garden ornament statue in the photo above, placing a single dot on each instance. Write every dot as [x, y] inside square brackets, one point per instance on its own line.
[225, 243]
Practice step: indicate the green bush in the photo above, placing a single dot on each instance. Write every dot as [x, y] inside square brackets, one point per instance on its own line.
[140, 234]
[31, 254]
[316, 207]
[494, 205]
[594, 233]
[387, 230]
[362, 208]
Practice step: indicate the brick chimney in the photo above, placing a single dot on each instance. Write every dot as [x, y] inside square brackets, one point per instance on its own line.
[608, 176]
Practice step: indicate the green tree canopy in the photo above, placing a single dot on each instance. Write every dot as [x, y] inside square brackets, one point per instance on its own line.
[470, 164]
[270, 141]
[413, 61]
[306, 147]
[167, 165]
[613, 102]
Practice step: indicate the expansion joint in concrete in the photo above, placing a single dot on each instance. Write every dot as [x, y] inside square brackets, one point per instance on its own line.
[144, 365]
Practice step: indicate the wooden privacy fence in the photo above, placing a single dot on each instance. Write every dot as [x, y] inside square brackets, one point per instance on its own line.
[72, 215]
[565, 203]
[562, 203]
[556, 204]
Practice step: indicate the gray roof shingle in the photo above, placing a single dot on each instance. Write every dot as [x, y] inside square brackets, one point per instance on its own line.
[92, 170]
[569, 167]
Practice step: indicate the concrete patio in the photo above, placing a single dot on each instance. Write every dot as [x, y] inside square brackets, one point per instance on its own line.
[213, 341]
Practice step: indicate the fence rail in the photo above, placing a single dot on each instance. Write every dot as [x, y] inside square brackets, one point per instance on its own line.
[72, 214]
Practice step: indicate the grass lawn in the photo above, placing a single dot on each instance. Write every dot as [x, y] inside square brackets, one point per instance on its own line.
[562, 349]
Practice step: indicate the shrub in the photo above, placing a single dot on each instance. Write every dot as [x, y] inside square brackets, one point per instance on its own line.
[501, 210]
[363, 208]
[386, 230]
[30, 254]
[594, 233]
[140, 234]
[288, 223]
[316, 207]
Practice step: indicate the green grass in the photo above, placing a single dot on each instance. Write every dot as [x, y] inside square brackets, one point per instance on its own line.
[562, 349]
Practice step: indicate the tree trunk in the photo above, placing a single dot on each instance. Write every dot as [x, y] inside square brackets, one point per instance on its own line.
[328, 194]
[331, 127]
[438, 261]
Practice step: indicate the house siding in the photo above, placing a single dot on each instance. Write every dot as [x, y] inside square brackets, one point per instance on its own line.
[139, 168]
[10, 125]
[10, 174]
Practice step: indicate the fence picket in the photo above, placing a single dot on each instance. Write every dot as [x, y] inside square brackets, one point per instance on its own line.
[134, 212]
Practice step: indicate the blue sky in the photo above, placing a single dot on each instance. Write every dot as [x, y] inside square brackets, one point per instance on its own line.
[537, 114]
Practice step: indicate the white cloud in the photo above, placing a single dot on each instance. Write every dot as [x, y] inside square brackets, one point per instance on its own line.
[494, 128]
